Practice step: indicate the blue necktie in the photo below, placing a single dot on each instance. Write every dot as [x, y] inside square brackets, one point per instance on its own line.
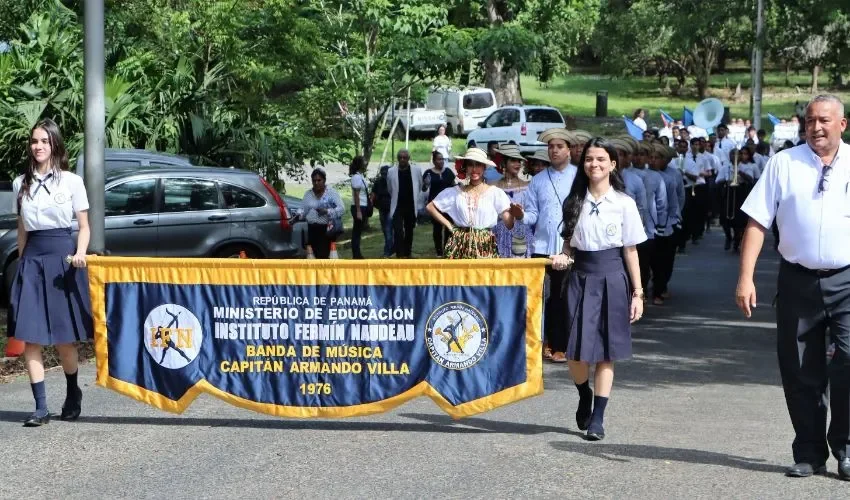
[594, 208]
[42, 183]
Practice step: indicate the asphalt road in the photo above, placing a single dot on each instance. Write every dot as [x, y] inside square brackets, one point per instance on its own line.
[698, 413]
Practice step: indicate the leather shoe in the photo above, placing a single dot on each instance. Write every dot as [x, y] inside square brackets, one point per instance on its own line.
[583, 414]
[35, 420]
[804, 469]
[595, 432]
[844, 469]
[73, 406]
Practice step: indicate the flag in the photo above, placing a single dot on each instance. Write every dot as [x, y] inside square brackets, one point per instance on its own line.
[633, 129]
[774, 120]
[666, 117]
[687, 117]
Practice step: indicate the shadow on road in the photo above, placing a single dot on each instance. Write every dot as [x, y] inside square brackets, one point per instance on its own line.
[625, 452]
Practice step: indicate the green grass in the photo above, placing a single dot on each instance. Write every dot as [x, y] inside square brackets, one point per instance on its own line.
[420, 149]
[575, 95]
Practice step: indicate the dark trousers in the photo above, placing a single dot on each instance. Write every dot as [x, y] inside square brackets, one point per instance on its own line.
[555, 307]
[699, 204]
[684, 234]
[440, 235]
[317, 237]
[645, 251]
[357, 233]
[387, 229]
[807, 306]
[404, 221]
[663, 256]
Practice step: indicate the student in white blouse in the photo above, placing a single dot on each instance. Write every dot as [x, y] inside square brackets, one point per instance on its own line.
[49, 299]
[475, 209]
[602, 228]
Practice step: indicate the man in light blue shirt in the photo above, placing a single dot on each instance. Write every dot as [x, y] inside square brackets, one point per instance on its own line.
[666, 243]
[543, 210]
[656, 202]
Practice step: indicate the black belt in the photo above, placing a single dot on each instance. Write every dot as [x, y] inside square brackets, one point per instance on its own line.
[820, 273]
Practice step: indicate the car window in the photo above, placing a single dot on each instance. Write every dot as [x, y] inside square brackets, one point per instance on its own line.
[237, 197]
[479, 100]
[543, 116]
[495, 120]
[512, 116]
[123, 163]
[188, 195]
[130, 198]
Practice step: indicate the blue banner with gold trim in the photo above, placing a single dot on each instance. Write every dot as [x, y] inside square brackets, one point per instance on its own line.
[313, 338]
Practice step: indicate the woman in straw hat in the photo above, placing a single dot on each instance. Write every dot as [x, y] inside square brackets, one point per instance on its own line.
[602, 227]
[475, 208]
[536, 163]
[516, 242]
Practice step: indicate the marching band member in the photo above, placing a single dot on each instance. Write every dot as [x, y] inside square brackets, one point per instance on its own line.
[656, 203]
[697, 171]
[49, 299]
[543, 210]
[665, 245]
[601, 229]
[684, 162]
[474, 209]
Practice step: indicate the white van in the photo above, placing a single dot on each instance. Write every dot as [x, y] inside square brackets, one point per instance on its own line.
[464, 107]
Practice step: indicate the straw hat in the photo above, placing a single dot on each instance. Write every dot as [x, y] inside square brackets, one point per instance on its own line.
[557, 133]
[621, 145]
[582, 136]
[540, 155]
[510, 151]
[477, 155]
[631, 141]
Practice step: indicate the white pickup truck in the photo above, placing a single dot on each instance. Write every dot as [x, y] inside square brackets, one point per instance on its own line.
[423, 121]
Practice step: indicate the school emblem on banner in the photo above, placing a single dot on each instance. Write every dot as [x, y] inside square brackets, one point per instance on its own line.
[319, 338]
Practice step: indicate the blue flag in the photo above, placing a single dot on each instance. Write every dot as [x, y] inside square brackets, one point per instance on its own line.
[633, 129]
[774, 120]
[687, 117]
[667, 117]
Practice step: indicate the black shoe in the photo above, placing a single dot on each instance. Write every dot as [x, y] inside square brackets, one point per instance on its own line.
[804, 469]
[844, 469]
[583, 414]
[595, 432]
[72, 408]
[36, 421]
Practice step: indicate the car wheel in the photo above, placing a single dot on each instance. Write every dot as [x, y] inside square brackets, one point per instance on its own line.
[238, 251]
[9, 276]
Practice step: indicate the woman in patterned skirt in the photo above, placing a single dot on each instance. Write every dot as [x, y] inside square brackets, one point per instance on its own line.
[515, 242]
[475, 209]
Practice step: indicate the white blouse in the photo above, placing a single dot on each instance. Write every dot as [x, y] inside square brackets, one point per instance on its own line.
[466, 211]
[611, 222]
[359, 183]
[52, 201]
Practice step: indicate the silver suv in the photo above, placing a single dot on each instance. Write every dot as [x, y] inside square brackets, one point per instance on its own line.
[186, 211]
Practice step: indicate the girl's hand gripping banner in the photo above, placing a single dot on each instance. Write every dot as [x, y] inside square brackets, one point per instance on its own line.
[313, 338]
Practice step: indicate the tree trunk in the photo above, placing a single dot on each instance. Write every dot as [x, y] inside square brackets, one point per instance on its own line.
[503, 81]
[815, 71]
[721, 61]
[545, 69]
[788, 72]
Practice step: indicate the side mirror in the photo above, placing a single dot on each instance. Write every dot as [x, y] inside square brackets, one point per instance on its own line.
[481, 125]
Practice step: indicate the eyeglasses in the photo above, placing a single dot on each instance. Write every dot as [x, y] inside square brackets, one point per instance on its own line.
[823, 185]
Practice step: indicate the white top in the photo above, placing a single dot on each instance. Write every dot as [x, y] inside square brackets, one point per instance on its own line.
[814, 228]
[640, 123]
[466, 211]
[52, 202]
[685, 164]
[329, 200]
[443, 144]
[722, 148]
[750, 169]
[614, 222]
[358, 182]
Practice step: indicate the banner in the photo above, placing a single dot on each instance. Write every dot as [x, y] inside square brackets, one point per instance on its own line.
[319, 338]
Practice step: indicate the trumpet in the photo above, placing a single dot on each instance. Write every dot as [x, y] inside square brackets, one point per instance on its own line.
[732, 191]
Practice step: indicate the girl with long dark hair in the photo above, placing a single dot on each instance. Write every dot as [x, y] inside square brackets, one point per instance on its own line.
[49, 298]
[602, 227]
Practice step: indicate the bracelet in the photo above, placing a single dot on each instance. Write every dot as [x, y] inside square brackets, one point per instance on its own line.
[638, 294]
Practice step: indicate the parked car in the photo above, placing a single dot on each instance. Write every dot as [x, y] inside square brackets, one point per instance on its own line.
[185, 211]
[519, 125]
[423, 120]
[464, 108]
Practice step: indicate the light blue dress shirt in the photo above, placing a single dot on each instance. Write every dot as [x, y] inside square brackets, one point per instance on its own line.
[656, 201]
[543, 208]
[675, 197]
[637, 191]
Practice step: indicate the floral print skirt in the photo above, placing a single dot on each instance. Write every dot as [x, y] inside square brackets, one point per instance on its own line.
[471, 243]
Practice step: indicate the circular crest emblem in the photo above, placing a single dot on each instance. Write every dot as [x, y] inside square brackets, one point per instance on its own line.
[456, 335]
[611, 229]
[60, 198]
[172, 336]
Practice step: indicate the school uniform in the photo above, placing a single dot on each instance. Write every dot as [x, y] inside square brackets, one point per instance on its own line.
[654, 224]
[810, 203]
[598, 288]
[665, 243]
[49, 299]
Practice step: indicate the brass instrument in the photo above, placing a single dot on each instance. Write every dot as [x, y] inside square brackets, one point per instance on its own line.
[732, 191]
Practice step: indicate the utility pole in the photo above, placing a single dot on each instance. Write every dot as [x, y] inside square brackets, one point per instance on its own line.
[758, 68]
[95, 127]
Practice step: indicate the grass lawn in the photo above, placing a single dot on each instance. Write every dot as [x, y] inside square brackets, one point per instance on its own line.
[420, 149]
[576, 95]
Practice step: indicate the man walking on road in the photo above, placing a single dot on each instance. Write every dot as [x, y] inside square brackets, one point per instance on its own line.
[405, 183]
[805, 189]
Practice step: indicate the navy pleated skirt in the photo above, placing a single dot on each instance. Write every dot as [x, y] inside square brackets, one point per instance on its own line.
[49, 300]
[598, 303]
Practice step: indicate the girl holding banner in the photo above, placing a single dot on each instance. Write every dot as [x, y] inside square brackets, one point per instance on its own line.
[48, 197]
[602, 227]
[475, 209]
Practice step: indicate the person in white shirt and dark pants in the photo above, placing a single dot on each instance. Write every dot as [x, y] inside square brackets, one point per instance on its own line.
[602, 227]
[806, 189]
[49, 299]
